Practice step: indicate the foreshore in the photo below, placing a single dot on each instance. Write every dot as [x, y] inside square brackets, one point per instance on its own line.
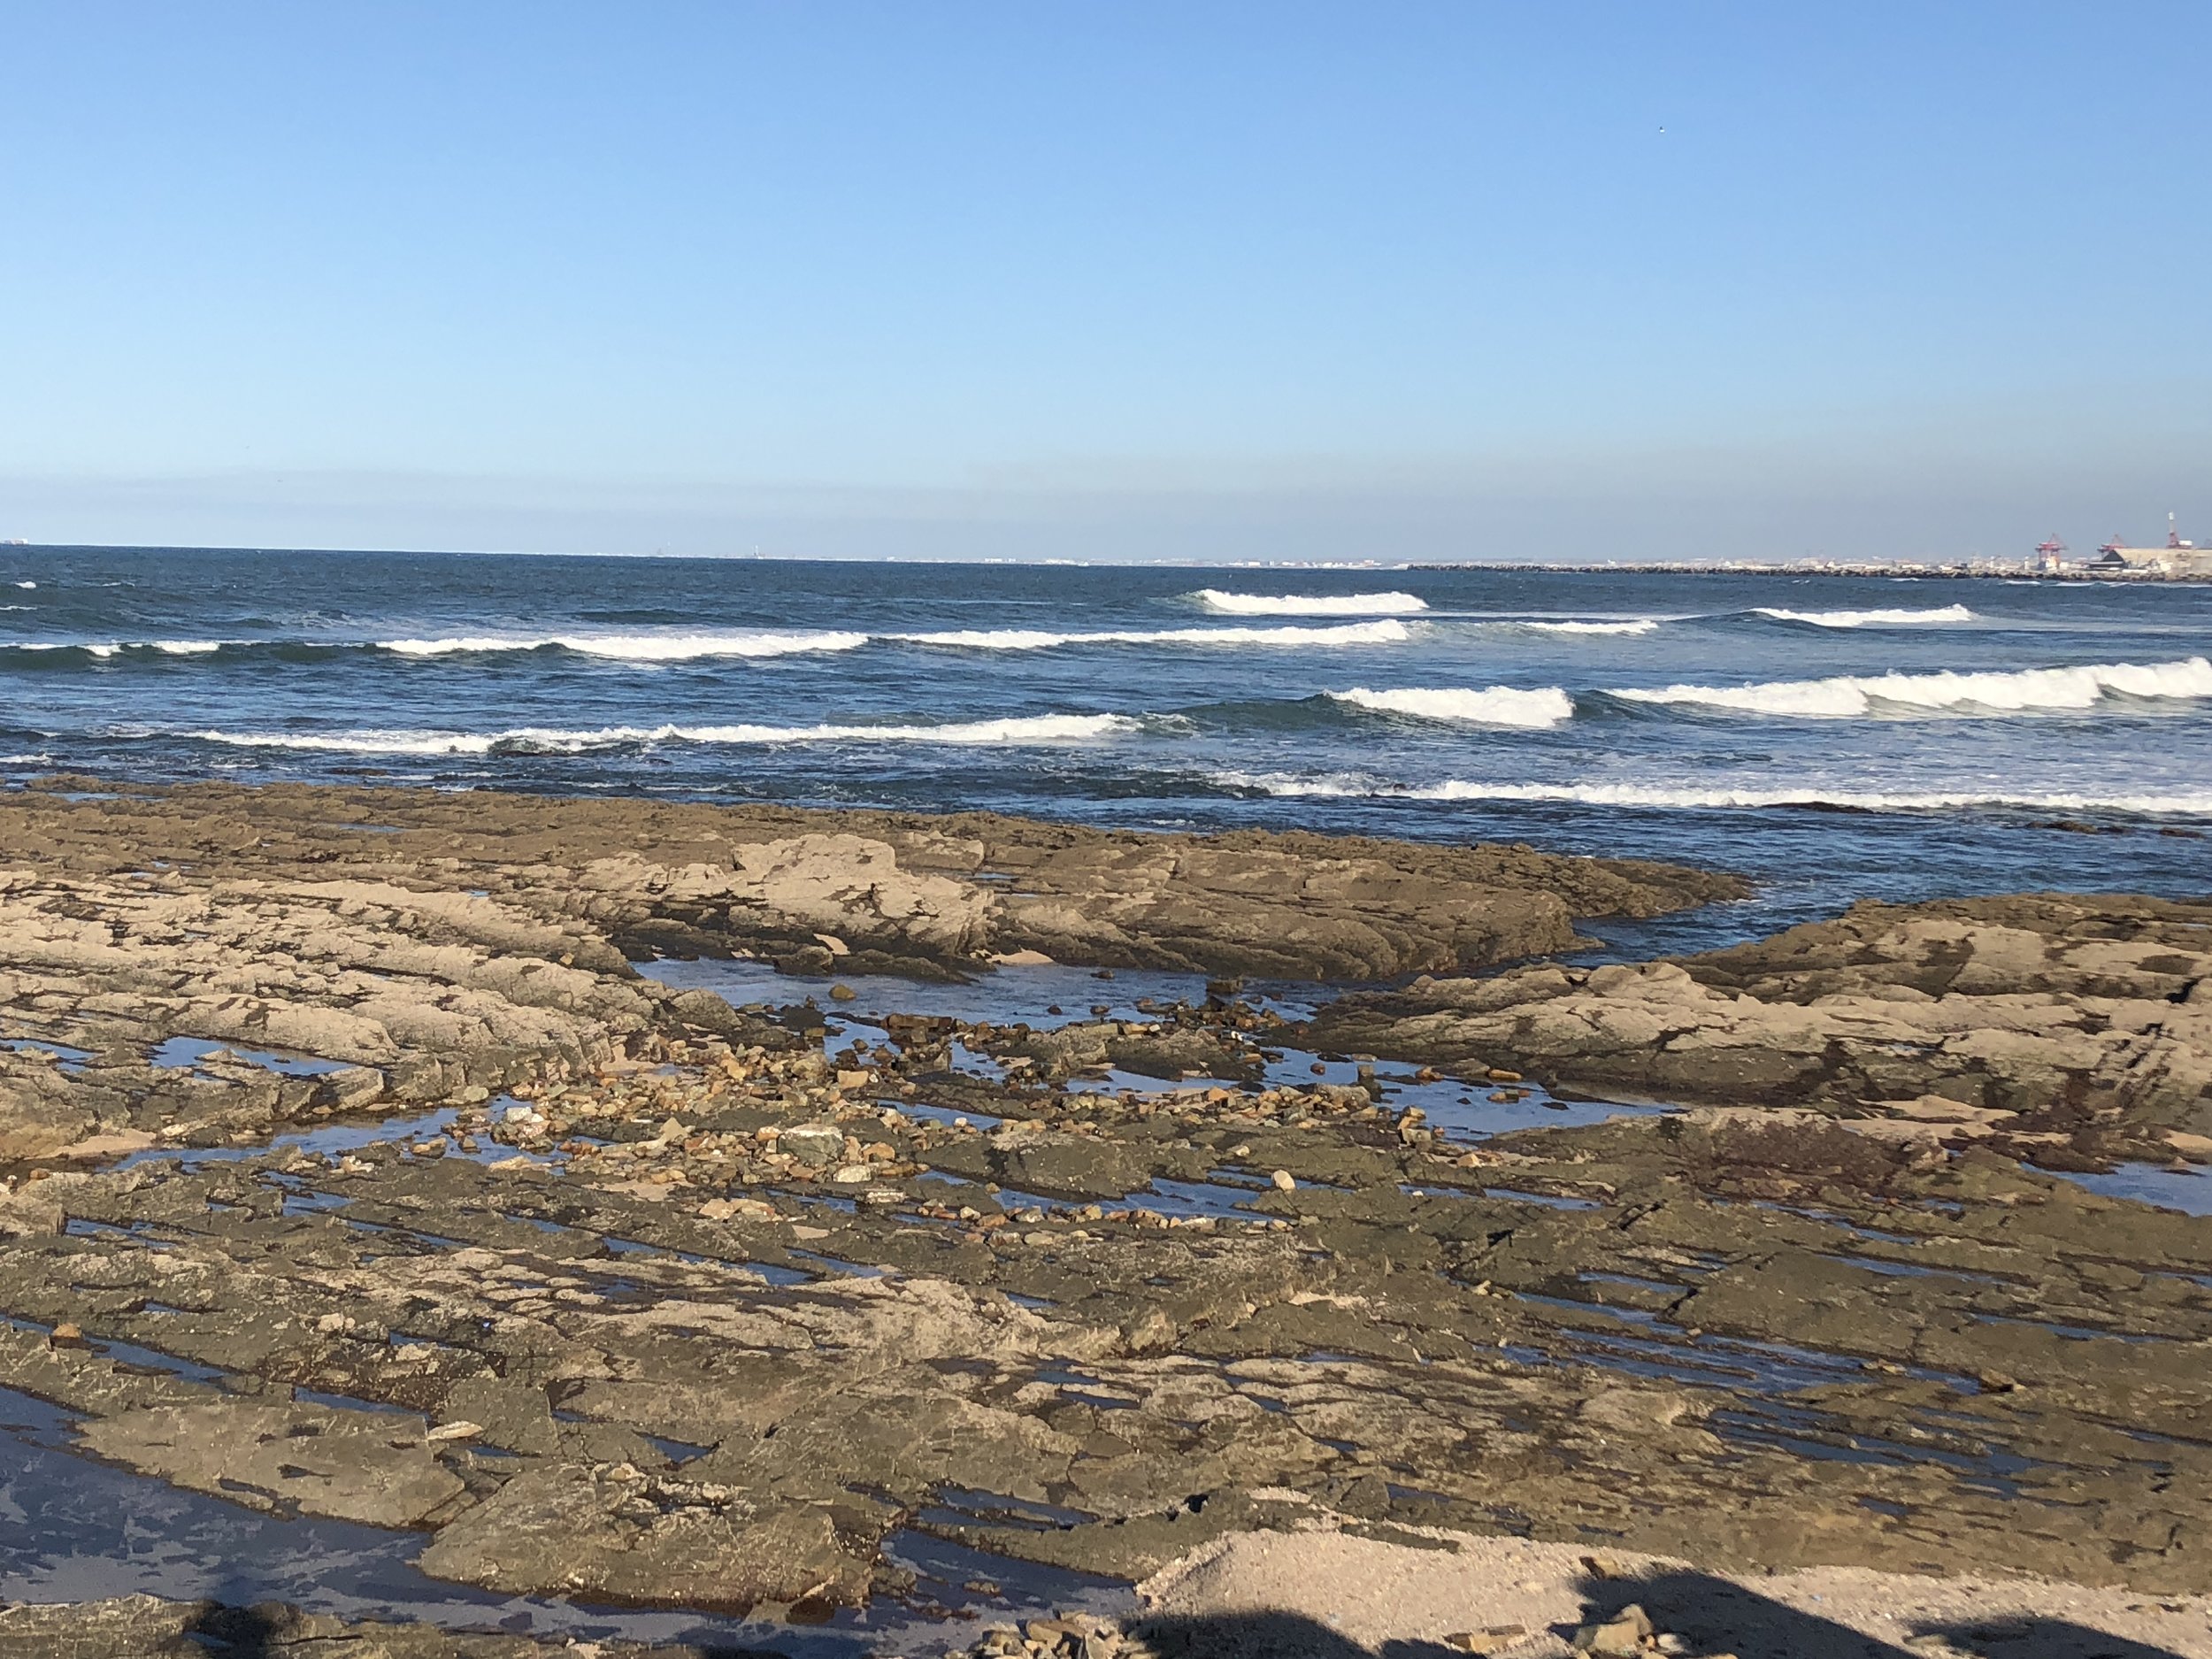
[854, 1232]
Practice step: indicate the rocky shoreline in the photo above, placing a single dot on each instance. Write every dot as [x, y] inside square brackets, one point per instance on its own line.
[354, 1171]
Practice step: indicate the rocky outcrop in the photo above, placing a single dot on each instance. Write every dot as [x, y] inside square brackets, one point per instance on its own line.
[866, 890]
[401, 997]
[420, 947]
[2067, 1025]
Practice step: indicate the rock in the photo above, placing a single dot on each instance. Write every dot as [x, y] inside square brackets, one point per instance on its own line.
[1623, 1634]
[1283, 1180]
[1491, 1639]
[814, 1145]
[2037, 1015]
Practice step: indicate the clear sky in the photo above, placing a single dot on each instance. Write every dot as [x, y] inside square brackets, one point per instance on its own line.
[1178, 279]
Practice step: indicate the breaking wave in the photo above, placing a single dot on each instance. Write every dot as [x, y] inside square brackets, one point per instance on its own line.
[1497, 705]
[115, 648]
[1390, 605]
[1686, 798]
[1037, 639]
[1038, 729]
[670, 647]
[1930, 617]
[1846, 696]
[1635, 625]
[644, 647]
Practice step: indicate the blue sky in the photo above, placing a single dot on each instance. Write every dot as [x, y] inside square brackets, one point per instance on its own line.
[1410, 281]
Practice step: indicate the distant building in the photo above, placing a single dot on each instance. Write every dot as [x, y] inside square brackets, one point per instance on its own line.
[2050, 557]
[2177, 558]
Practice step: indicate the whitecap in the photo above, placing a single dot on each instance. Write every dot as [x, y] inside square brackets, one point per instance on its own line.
[1695, 797]
[395, 743]
[1933, 616]
[1846, 697]
[642, 647]
[1496, 705]
[1389, 604]
[1389, 633]
[26, 583]
[1639, 625]
[1014, 730]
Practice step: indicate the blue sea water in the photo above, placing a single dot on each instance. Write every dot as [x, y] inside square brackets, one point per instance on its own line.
[1831, 737]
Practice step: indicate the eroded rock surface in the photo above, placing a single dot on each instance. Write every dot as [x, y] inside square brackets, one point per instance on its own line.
[623, 1342]
[146, 1627]
[654, 1300]
[2069, 1027]
[885, 890]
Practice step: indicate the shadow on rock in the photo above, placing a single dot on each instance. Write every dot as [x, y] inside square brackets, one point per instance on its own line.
[1712, 1616]
[2039, 1639]
[1269, 1636]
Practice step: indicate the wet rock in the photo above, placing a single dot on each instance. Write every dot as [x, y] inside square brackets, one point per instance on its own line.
[2061, 1021]
[617, 1532]
[145, 1627]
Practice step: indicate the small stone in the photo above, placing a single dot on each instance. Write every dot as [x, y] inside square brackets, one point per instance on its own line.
[460, 1429]
[842, 993]
[853, 1173]
[1492, 1638]
[1284, 1180]
[1620, 1636]
[68, 1335]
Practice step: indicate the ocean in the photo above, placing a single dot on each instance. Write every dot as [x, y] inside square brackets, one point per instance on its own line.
[1832, 738]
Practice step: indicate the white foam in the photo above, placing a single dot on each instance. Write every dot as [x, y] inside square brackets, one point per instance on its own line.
[1690, 798]
[1929, 617]
[644, 647]
[1639, 625]
[1390, 605]
[1390, 633]
[1038, 729]
[1847, 696]
[1496, 705]
[357, 743]
[665, 647]
[26, 583]
[111, 647]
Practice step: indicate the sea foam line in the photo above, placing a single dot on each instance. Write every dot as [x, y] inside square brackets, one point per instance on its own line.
[1633, 624]
[1676, 796]
[1387, 632]
[642, 647]
[1389, 604]
[662, 647]
[112, 648]
[1845, 696]
[1029, 729]
[1932, 615]
[1496, 705]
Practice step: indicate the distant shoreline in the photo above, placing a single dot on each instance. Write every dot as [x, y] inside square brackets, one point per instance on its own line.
[1947, 573]
[1974, 569]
